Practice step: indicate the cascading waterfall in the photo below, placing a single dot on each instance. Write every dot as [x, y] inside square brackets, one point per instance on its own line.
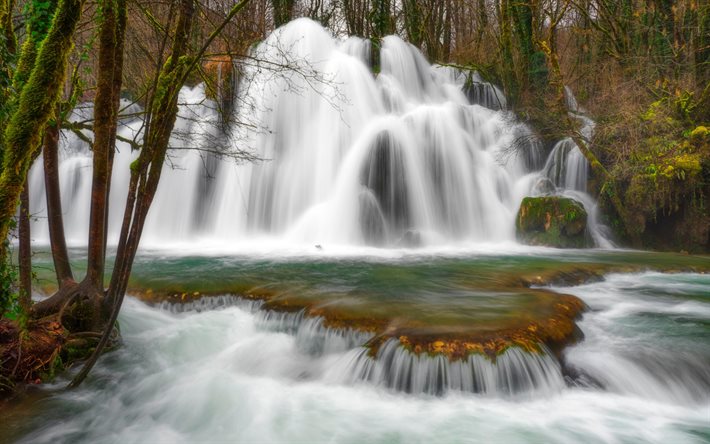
[402, 158]
[416, 155]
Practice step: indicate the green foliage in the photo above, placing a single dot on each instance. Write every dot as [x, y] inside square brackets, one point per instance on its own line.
[665, 174]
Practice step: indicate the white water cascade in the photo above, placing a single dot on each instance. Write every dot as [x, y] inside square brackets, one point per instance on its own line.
[402, 158]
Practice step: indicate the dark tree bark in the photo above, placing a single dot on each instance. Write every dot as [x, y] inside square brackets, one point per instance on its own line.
[355, 13]
[55, 219]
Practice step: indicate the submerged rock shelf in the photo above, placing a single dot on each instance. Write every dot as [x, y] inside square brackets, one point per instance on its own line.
[551, 325]
[407, 355]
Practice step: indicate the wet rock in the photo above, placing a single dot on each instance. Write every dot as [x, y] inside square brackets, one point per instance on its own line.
[552, 221]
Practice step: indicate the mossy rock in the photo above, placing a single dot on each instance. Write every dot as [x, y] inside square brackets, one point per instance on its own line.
[552, 221]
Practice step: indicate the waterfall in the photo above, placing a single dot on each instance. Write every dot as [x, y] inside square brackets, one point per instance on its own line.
[415, 155]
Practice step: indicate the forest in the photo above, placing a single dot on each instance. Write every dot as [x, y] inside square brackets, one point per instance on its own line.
[621, 88]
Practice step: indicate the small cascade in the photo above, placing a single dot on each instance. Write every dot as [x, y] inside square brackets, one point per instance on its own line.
[484, 93]
[566, 172]
[514, 372]
[312, 337]
[315, 339]
[566, 166]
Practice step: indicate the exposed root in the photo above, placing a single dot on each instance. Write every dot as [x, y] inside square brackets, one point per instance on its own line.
[62, 310]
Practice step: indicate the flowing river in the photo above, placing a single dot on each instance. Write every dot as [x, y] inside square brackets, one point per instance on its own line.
[220, 369]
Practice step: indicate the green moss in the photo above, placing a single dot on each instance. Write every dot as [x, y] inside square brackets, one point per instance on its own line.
[699, 133]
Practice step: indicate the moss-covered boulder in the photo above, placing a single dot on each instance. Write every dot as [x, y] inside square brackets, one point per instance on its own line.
[552, 221]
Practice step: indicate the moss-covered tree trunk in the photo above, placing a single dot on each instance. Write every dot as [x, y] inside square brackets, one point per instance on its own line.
[381, 24]
[522, 17]
[413, 22]
[36, 103]
[8, 49]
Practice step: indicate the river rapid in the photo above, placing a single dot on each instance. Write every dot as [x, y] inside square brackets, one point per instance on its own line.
[223, 371]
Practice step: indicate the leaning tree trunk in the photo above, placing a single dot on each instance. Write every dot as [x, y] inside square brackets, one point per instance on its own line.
[36, 104]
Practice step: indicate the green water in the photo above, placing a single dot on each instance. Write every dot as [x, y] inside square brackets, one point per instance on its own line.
[431, 290]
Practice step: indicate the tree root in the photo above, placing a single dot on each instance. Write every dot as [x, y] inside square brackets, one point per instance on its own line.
[19, 355]
[54, 303]
[60, 315]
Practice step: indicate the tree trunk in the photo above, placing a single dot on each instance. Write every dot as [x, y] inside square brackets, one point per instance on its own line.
[507, 64]
[55, 219]
[106, 104]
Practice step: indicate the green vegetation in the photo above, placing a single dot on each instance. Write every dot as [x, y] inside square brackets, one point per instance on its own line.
[666, 174]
